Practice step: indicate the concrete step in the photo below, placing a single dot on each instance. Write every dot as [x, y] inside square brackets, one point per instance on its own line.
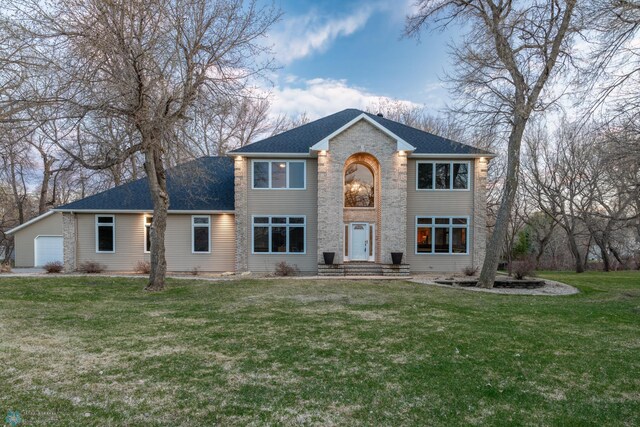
[363, 269]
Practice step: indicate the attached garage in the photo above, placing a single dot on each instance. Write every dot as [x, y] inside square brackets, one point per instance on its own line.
[48, 249]
[39, 241]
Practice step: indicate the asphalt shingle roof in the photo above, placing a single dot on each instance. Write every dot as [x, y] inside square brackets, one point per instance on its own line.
[301, 139]
[202, 184]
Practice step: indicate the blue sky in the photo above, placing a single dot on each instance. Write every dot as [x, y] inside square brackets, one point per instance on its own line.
[339, 54]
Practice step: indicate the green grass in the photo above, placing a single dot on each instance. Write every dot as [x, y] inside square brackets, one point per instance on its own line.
[100, 351]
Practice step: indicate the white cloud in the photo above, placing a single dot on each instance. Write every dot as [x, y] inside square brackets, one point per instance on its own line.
[319, 97]
[301, 36]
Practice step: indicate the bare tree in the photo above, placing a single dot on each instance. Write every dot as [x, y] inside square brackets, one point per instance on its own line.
[612, 69]
[225, 124]
[146, 64]
[507, 58]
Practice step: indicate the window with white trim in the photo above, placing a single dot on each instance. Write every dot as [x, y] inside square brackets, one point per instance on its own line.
[200, 234]
[442, 235]
[105, 234]
[147, 233]
[442, 175]
[279, 174]
[279, 234]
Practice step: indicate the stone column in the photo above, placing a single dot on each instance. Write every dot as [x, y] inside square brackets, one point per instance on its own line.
[394, 206]
[242, 226]
[69, 241]
[479, 212]
[329, 206]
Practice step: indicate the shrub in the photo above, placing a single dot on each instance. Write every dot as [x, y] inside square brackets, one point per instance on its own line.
[523, 268]
[91, 267]
[53, 267]
[284, 269]
[5, 267]
[142, 267]
[470, 271]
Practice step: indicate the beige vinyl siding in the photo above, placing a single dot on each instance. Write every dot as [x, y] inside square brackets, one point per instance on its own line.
[437, 203]
[24, 239]
[285, 202]
[129, 244]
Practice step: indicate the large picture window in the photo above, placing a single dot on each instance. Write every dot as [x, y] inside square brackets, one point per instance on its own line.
[279, 234]
[359, 187]
[201, 234]
[279, 174]
[442, 175]
[438, 235]
[105, 234]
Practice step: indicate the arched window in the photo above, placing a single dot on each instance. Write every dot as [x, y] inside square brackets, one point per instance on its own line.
[359, 187]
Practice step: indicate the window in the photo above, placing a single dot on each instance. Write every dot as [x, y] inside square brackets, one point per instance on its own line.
[200, 234]
[438, 235]
[442, 175]
[279, 234]
[358, 186]
[105, 234]
[279, 174]
[147, 233]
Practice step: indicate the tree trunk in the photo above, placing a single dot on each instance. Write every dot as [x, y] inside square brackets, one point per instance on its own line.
[495, 243]
[158, 186]
[573, 247]
[586, 257]
[616, 254]
[606, 261]
[14, 187]
[44, 189]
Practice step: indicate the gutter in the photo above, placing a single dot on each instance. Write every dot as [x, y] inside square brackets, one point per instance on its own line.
[170, 211]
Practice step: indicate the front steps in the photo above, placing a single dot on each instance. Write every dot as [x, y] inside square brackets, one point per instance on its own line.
[362, 269]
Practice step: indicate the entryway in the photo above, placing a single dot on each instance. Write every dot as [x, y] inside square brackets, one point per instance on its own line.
[359, 241]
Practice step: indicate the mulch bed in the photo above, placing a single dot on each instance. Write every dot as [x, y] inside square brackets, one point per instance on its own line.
[499, 283]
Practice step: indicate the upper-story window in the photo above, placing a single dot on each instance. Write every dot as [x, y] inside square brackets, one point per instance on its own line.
[279, 174]
[359, 186]
[442, 175]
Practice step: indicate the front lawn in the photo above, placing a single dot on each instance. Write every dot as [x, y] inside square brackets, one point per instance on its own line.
[96, 351]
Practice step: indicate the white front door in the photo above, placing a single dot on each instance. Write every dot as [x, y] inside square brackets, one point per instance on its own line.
[359, 241]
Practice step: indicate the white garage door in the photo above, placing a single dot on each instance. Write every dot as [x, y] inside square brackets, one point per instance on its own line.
[48, 249]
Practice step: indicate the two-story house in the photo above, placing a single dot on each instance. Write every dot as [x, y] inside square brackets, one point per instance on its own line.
[351, 185]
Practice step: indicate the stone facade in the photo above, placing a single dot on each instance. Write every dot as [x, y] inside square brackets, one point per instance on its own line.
[241, 184]
[362, 137]
[480, 212]
[69, 236]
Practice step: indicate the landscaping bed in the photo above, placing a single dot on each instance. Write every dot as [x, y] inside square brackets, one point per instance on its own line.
[505, 283]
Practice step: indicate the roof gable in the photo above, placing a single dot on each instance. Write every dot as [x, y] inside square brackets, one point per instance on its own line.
[401, 144]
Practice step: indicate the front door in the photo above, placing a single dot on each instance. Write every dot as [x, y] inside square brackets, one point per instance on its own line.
[359, 241]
